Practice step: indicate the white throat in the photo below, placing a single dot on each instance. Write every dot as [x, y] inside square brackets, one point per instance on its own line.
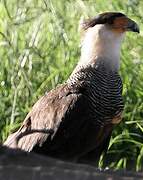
[100, 42]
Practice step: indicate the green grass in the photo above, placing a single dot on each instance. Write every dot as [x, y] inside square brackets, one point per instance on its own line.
[39, 47]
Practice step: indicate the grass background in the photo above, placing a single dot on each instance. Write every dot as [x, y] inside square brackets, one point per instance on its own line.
[39, 47]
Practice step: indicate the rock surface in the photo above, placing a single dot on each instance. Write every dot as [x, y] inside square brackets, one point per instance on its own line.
[19, 165]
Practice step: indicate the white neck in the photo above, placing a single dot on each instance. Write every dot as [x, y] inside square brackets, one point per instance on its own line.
[100, 42]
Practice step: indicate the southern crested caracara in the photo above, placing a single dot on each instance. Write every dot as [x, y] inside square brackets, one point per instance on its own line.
[82, 112]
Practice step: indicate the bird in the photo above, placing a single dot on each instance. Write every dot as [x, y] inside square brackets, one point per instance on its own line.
[74, 121]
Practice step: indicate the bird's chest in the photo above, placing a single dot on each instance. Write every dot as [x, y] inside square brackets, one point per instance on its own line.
[105, 96]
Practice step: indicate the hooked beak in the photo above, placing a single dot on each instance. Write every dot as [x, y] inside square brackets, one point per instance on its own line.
[132, 26]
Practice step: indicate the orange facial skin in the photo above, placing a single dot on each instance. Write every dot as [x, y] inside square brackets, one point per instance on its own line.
[120, 24]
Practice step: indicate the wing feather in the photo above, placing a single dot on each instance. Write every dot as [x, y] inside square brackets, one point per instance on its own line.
[46, 114]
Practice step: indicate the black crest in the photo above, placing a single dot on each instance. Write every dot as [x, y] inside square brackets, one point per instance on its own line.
[104, 18]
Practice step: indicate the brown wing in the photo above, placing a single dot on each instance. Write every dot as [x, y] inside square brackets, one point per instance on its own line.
[47, 113]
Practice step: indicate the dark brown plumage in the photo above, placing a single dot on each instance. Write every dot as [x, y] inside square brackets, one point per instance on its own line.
[80, 113]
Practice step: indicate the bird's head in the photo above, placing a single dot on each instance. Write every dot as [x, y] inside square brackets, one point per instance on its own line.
[102, 36]
[116, 22]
